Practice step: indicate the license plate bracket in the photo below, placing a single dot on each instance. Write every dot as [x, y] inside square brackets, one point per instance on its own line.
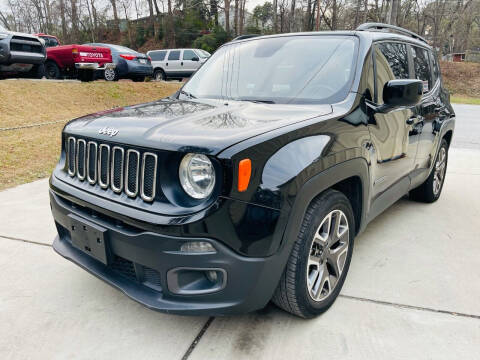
[89, 238]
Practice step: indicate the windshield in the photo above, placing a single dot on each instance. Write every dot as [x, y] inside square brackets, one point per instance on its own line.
[294, 69]
[203, 54]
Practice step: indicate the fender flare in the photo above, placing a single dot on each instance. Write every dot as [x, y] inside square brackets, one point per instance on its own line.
[309, 191]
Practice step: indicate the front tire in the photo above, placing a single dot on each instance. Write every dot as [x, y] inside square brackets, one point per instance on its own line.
[431, 189]
[320, 258]
[52, 71]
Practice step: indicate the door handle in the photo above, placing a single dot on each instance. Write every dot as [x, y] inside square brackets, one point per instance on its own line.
[166, 64]
[181, 63]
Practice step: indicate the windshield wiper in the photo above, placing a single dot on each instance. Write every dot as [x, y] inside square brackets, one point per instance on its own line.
[190, 95]
[259, 101]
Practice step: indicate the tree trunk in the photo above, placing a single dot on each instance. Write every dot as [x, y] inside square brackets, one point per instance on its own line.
[235, 20]
[115, 14]
[227, 16]
[275, 17]
[170, 33]
[334, 15]
[64, 22]
[365, 11]
[317, 26]
[214, 11]
[357, 13]
[152, 20]
[291, 27]
[74, 37]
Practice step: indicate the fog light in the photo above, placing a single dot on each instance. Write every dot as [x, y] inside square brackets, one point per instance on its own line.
[212, 276]
[197, 247]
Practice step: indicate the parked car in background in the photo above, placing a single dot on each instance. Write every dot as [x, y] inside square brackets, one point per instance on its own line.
[75, 61]
[176, 63]
[129, 64]
[22, 54]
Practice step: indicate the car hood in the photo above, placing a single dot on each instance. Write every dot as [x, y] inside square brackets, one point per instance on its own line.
[190, 126]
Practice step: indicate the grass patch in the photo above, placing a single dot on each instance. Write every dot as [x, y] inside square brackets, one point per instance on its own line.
[31, 153]
[464, 99]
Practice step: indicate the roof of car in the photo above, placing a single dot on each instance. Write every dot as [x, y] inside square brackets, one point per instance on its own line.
[373, 35]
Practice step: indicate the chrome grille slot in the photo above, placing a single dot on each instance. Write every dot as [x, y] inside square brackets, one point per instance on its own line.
[131, 174]
[81, 150]
[104, 166]
[117, 169]
[149, 175]
[123, 170]
[92, 162]
[71, 156]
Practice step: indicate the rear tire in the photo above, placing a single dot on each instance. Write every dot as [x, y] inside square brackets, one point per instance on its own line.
[320, 258]
[159, 75]
[431, 189]
[110, 75]
[52, 71]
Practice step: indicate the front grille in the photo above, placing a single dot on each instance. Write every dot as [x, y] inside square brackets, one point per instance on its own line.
[114, 167]
[136, 272]
[26, 44]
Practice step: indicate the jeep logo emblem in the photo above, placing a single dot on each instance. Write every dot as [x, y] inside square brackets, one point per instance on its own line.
[108, 131]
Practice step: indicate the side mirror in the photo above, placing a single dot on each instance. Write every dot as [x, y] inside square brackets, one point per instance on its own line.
[195, 58]
[400, 93]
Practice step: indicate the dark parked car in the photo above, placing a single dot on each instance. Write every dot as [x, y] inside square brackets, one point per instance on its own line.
[252, 182]
[129, 64]
[21, 54]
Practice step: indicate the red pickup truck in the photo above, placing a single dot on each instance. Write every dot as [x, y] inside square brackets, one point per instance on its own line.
[75, 61]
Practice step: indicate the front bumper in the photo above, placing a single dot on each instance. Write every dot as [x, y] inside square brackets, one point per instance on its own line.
[141, 261]
[94, 66]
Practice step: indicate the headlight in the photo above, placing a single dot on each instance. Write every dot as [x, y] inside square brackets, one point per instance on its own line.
[197, 175]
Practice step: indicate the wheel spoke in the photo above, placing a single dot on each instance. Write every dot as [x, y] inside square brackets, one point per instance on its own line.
[323, 232]
[337, 257]
[320, 284]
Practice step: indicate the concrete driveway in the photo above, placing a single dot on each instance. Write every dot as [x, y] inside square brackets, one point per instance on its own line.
[412, 292]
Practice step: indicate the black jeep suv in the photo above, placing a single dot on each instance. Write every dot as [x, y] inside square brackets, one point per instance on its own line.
[252, 181]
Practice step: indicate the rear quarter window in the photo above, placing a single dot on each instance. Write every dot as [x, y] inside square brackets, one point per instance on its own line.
[158, 55]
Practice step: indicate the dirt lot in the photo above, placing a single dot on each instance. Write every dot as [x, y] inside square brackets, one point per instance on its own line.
[462, 80]
[30, 153]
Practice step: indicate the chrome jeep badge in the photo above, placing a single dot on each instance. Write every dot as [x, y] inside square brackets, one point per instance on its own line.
[108, 131]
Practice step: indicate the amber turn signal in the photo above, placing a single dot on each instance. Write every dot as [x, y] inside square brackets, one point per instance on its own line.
[244, 172]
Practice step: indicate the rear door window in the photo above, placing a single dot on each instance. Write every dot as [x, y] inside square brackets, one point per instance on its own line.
[158, 55]
[189, 55]
[421, 65]
[174, 55]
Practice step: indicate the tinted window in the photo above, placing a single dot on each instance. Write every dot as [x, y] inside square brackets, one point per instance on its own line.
[189, 55]
[50, 42]
[422, 67]
[174, 55]
[289, 69]
[436, 70]
[396, 56]
[158, 55]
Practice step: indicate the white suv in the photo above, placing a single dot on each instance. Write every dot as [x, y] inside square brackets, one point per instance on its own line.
[176, 63]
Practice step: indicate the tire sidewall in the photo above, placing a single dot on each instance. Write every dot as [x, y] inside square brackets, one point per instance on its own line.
[312, 307]
[442, 145]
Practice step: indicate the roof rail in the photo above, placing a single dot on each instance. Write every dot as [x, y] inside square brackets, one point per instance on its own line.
[246, 36]
[393, 28]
